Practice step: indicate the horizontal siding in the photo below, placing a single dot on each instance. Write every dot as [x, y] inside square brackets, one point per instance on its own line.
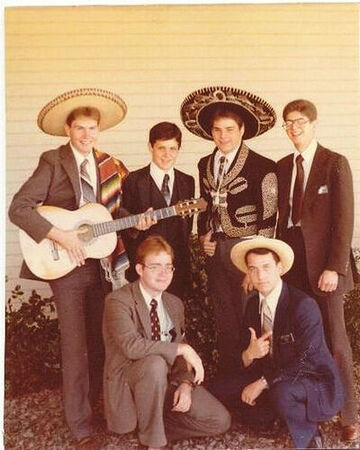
[153, 56]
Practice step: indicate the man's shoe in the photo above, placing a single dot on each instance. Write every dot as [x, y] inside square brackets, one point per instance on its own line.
[350, 432]
[87, 443]
[317, 441]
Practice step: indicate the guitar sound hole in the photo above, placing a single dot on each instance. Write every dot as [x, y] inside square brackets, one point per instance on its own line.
[87, 235]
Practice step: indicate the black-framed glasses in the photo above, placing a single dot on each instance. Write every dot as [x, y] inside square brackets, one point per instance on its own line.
[158, 268]
[298, 122]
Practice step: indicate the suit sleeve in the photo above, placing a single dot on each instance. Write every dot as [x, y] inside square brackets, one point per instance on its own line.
[342, 196]
[33, 192]
[118, 315]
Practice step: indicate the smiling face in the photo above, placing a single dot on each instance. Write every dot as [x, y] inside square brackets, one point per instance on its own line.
[227, 134]
[300, 130]
[155, 272]
[264, 272]
[164, 153]
[83, 133]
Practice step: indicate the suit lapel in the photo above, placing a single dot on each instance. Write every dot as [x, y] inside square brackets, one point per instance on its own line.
[169, 306]
[315, 176]
[142, 310]
[145, 187]
[70, 167]
[281, 316]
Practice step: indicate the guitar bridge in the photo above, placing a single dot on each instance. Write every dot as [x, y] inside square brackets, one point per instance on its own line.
[54, 251]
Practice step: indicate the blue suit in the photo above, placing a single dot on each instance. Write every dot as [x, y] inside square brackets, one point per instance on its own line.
[303, 379]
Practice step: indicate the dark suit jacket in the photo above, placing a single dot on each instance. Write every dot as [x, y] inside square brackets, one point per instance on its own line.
[138, 196]
[299, 351]
[327, 217]
[127, 337]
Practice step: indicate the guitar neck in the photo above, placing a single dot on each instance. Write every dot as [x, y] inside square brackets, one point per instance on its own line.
[131, 221]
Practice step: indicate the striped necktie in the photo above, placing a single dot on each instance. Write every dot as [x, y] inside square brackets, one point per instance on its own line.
[267, 322]
[165, 190]
[154, 319]
[88, 191]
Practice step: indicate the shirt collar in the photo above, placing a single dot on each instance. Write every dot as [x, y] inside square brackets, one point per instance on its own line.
[309, 153]
[158, 174]
[272, 298]
[229, 156]
[79, 157]
[148, 297]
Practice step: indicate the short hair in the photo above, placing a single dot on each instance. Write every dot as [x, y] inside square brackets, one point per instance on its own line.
[86, 111]
[262, 251]
[303, 106]
[164, 131]
[153, 244]
[227, 112]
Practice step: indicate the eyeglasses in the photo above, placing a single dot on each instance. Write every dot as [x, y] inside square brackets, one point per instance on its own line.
[158, 268]
[298, 122]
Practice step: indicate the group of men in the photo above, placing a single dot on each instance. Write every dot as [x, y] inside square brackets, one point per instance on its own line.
[274, 358]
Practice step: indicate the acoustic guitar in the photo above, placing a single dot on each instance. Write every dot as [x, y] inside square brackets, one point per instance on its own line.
[48, 260]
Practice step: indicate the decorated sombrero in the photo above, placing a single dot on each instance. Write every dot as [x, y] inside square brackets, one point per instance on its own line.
[281, 248]
[198, 107]
[52, 117]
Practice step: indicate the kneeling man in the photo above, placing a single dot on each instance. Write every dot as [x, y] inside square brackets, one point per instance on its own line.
[152, 376]
[287, 367]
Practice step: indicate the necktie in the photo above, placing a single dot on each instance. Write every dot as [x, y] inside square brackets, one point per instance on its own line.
[298, 191]
[267, 323]
[88, 191]
[216, 221]
[165, 189]
[154, 319]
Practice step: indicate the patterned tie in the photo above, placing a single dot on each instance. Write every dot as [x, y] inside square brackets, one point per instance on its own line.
[267, 324]
[298, 191]
[216, 221]
[165, 189]
[88, 191]
[154, 319]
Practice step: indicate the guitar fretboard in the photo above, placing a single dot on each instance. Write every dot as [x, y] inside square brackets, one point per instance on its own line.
[130, 221]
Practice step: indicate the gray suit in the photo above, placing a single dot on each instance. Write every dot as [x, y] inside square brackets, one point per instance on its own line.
[141, 375]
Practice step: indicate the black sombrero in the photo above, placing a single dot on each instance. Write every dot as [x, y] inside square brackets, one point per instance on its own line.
[198, 108]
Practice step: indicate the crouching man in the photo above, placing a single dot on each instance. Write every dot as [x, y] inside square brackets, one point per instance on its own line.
[287, 368]
[152, 376]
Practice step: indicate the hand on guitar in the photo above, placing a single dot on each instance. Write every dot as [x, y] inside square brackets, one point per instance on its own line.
[70, 242]
[146, 220]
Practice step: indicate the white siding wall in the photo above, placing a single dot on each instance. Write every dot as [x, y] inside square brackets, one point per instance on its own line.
[153, 56]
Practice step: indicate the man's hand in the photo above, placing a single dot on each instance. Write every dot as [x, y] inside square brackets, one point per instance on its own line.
[258, 347]
[252, 392]
[191, 357]
[247, 284]
[328, 281]
[146, 220]
[70, 241]
[182, 398]
[206, 244]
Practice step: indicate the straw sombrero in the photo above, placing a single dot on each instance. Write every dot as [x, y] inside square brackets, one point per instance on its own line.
[52, 117]
[283, 250]
[198, 107]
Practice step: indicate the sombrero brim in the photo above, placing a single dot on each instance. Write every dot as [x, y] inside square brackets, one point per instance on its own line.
[52, 117]
[281, 248]
[198, 107]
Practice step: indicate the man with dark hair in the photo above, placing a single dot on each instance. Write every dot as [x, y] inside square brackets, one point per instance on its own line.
[69, 177]
[316, 218]
[159, 185]
[152, 376]
[286, 368]
[240, 187]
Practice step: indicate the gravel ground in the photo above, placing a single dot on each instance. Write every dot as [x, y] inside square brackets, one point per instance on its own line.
[36, 422]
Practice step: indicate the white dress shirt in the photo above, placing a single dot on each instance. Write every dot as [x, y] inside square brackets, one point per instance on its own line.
[157, 175]
[229, 160]
[272, 300]
[165, 322]
[308, 155]
[91, 168]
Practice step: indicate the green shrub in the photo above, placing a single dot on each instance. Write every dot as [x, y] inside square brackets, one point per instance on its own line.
[352, 320]
[32, 352]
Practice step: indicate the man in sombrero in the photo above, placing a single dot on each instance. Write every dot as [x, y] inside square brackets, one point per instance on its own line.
[240, 187]
[69, 177]
[286, 370]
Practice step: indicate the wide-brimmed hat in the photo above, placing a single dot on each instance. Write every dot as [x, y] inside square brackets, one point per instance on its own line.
[52, 117]
[281, 248]
[198, 107]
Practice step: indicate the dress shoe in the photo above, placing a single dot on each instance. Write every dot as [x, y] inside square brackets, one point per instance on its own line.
[350, 432]
[318, 440]
[87, 443]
